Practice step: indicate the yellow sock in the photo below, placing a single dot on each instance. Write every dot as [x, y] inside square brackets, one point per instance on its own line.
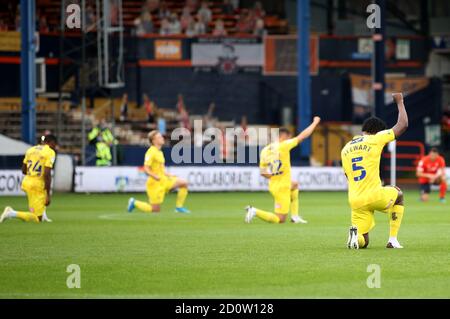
[395, 220]
[294, 202]
[266, 216]
[181, 196]
[27, 217]
[143, 206]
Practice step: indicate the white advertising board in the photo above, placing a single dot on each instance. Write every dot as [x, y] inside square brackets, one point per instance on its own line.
[205, 178]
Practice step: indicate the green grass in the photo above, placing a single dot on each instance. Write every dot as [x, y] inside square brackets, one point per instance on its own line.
[213, 253]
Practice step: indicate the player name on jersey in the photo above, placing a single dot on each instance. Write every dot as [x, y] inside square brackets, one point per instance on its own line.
[355, 148]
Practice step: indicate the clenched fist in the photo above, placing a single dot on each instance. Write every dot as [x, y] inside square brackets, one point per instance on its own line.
[398, 97]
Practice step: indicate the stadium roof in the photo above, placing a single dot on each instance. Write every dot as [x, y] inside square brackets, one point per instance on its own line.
[9, 146]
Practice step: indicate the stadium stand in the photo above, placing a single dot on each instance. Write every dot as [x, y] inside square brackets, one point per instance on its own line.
[50, 10]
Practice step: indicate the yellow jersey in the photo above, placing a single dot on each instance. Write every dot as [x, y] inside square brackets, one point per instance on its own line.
[154, 158]
[275, 159]
[361, 164]
[36, 159]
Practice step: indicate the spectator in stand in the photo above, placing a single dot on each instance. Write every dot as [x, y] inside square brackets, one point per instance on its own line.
[259, 29]
[227, 7]
[219, 29]
[186, 18]
[3, 26]
[184, 119]
[165, 27]
[200, 26]
[124, 108]
[152, 5]
[251, 20]
[244, 127]
[190, 30]
[245, 23]
[205, 12]
[183, 113]
[174, 24]
[258, 10]
[235, 4]
[91, 19]
[150, 109]
[42, 24]
[144, 23]
[180, 102]
[114, 12]
[164, 11]
[192, 5]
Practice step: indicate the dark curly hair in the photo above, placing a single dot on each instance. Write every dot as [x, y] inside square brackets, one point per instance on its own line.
[373, 125]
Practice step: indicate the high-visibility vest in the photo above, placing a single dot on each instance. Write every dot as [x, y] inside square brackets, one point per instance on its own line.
[93, 133]
[103, 153]
[108, 137]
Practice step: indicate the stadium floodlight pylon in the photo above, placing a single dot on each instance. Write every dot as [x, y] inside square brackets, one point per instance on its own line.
[110, 45]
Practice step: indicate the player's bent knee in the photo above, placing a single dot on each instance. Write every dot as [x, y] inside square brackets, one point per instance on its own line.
[183, 183]
[156, 208]
[282, 218]
[400, 197]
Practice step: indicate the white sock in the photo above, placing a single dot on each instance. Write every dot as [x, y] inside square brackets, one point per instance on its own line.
[393, 239]
[44, 217]
[12, 214]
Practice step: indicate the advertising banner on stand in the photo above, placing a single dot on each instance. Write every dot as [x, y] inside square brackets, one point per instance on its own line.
[228, 55]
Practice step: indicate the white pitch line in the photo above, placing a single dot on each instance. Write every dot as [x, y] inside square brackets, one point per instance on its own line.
[118, 216]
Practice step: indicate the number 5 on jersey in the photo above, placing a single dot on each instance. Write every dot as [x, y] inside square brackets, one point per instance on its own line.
[355, 168]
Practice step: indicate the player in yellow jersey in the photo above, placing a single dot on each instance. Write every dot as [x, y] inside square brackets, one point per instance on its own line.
[37, 166]
[361, 164]
[159, 182]
[266, 161]
[275, 165]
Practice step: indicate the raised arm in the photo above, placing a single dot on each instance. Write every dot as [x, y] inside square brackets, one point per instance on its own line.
[309, 130]
[402, 122]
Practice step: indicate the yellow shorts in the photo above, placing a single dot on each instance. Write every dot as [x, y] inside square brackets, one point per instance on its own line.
[156, 190]
[282, 197]
[36, 196]
[363, 218]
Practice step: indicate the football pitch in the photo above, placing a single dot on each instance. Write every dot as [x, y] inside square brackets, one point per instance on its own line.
[212, 253]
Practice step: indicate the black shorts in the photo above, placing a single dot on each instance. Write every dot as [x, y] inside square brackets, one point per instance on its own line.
[425, 188]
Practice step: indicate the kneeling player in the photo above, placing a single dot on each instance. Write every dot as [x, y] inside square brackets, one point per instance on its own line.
[275, 165]
[37, 168]
[361, 163]
[431, 171]
[159, 182]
